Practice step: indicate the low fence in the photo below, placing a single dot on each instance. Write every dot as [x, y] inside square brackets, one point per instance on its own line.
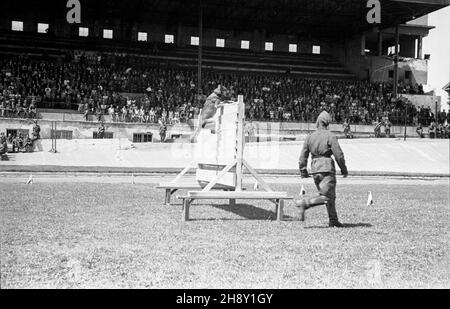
[262, 131]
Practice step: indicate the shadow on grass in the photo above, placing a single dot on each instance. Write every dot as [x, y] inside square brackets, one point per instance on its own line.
[346, 226]
[247, 212]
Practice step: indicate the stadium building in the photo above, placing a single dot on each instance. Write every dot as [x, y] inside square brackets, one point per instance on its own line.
[175, 144]
[263, 41]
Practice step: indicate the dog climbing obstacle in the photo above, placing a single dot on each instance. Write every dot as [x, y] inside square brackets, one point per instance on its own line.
[220, 173]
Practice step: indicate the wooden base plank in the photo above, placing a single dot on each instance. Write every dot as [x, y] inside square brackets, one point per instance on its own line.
[247, 195]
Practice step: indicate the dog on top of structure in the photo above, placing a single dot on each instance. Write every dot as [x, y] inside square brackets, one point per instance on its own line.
[206, 118]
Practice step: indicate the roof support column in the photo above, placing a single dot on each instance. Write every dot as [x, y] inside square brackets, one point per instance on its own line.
[200, 52]
[259, 40]
[363, 45]
[420, 47]
[396, 62]
[380, 43]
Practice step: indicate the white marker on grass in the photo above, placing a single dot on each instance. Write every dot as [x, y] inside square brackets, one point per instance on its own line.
[30, 180]
[370, 201]
[302, 191]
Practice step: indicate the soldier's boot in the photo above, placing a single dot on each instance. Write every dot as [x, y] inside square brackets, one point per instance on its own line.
[332, 214]
[335, 224]
[306, 203]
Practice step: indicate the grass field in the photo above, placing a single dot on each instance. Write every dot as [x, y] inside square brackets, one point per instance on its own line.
[86, 235]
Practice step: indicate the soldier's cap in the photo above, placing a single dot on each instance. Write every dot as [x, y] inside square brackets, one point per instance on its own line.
[323, 120]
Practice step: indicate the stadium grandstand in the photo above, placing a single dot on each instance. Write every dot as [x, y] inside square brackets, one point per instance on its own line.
[142, 61]
[224, 144]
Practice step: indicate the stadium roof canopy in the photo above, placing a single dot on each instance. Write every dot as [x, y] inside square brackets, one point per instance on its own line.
[329, 18]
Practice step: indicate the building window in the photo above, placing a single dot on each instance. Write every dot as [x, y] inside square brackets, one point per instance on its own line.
[169, 39]
[17, 25]
[142, 137]
[292, 48]
[61, 134]
[220, 42]
[391, 50]
[107, 34]
[83, 31]
[391, 73]
[42, 28]
[142, 36]
[16, 132]
[106, 135]
[245, 44]
[316, 49]
[195, 40]
[269, 46]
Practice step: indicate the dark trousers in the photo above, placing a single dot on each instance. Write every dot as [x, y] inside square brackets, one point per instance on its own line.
[326, 185]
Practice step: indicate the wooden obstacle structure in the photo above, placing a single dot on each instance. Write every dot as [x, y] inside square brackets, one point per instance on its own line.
[213, 149]
[223, 179]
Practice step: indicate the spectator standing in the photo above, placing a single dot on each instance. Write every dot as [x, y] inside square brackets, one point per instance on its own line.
[387, 128]
[432, 130]
[162, 130]
[419, 131]
[3, 145]
[86, 114]
[36, 131]
[251, 128]
[377, 129]
[101, 131]
[347, 129]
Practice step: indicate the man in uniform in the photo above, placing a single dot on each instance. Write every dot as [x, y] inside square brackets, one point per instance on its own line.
[36, 131]
[347, 129]
[162, 130]
[3, 145]
[322, 144]
[101, 131]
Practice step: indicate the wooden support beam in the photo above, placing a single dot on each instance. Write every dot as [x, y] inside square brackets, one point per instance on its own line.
[258, 178]
[183, 172]
[280, 210]
[186, 205]
[221, 174]
[240, 142]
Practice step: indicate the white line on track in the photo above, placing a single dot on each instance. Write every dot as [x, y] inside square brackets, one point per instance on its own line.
[157, 178]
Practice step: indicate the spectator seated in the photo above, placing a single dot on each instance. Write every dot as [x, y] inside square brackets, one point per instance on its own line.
[133, 88]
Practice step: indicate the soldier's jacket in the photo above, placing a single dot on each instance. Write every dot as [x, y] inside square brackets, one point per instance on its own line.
[322, 144]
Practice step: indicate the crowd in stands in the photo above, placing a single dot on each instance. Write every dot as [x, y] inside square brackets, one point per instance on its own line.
[102, 85]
